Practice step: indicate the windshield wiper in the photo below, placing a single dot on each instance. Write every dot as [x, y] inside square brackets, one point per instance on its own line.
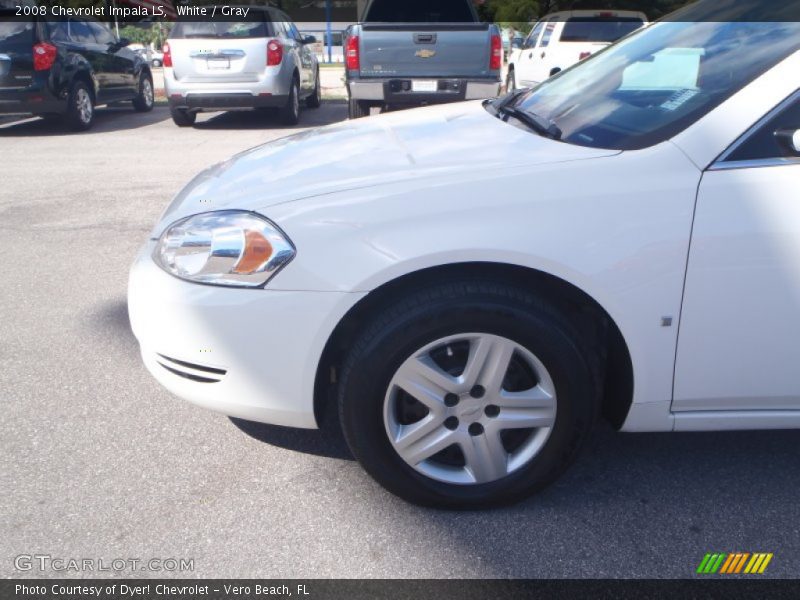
[497, 103]
[542, 126]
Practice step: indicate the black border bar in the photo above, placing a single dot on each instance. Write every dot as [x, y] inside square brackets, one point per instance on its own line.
[395, 589]
[698, 11]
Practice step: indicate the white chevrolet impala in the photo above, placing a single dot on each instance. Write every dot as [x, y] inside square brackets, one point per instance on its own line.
[472, 286]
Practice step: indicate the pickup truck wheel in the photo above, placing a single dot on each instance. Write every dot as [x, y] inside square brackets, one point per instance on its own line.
[511, 81]
[182, 117]
[358, 109]
[315, 99]
[80, 107]
[467, 394]
[145, 99]
[290, 114]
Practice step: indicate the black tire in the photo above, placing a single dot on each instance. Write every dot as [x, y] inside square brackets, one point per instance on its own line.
[290, 114]
[145, 98]
[182, 117]
[358, 109]
[511, 81]
[80, 107]
[440, 310]
[315, 99]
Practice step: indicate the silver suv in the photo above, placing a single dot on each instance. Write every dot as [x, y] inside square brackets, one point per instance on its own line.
[259, 62]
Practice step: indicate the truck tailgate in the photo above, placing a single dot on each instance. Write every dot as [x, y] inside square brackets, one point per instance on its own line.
[416, 50]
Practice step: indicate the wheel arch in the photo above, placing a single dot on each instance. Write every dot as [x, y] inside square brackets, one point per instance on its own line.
[598, 328]
[146, 69]
[88, 78]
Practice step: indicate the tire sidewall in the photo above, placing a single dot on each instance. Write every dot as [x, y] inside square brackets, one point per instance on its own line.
[182, 117]
[365, 388]
[141, 102]
[291, 115]
[357, 110]
[315, 99]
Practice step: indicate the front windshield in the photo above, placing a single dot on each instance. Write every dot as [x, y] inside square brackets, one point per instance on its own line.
[654, 84]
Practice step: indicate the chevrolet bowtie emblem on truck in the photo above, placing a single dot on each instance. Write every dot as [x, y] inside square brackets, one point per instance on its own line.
[426, 53]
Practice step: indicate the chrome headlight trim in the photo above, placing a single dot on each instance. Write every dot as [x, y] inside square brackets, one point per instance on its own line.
[226, 248]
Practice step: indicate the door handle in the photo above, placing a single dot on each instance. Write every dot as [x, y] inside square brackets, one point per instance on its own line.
[530, 55]
[544, 54]
[424, 38]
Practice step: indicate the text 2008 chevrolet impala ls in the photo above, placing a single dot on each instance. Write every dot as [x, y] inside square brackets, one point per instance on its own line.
[470, 333]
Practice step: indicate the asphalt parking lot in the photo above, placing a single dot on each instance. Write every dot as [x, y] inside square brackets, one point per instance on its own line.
[97, 461]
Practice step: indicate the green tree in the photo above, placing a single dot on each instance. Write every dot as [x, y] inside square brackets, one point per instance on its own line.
[518, 12]
[137, 35]
[146, 33]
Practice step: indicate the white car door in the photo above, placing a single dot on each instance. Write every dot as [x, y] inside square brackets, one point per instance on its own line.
[739, 340]
[525, 64]
[543, 61]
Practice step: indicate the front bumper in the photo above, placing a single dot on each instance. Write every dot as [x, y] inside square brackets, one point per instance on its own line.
[251, 354]
[399, 90]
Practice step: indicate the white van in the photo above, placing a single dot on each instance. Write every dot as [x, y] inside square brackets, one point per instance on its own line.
[562, 39]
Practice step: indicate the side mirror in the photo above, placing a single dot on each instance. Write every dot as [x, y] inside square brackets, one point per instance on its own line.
[789, 139]
[123, 42]
[308, 39]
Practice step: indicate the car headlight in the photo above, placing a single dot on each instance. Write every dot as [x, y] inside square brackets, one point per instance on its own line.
[228, 248]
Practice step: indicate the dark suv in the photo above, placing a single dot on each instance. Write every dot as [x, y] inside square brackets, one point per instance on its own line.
[63, 69]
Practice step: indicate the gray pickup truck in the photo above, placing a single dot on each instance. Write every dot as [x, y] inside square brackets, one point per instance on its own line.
[418, 52]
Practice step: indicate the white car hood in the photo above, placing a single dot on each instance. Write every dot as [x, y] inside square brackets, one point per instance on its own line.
[431, 142]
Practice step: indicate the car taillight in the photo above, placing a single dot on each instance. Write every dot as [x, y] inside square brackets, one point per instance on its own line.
[496, 60]
[44, 55]
[167, 59]
[274, 53]
[584, 55]
[352, 55]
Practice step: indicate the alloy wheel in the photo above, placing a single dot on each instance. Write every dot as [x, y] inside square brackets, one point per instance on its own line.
[83, 103]
[296, 100]
[147, 92]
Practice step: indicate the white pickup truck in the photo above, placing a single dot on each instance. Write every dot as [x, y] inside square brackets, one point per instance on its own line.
[421, 52]
[562, 39]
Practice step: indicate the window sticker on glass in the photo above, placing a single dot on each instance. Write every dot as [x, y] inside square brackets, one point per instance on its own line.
[679, 99]
[670, 69]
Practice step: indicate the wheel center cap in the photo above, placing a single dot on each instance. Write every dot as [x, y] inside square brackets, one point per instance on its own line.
[469, 407]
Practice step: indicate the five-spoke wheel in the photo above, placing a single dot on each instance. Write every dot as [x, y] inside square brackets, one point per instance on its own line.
[467, 393]
[470, 408]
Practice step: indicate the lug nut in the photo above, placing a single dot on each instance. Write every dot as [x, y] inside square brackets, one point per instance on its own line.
[492, 411]
[451, 423]
[477, 392]
[450, 400]
[475, 429]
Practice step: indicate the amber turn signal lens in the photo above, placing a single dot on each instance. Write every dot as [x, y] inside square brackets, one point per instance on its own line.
[257, 251]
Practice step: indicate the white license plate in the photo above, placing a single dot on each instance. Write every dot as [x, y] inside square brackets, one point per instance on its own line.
[218, 64]
[424, 86]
